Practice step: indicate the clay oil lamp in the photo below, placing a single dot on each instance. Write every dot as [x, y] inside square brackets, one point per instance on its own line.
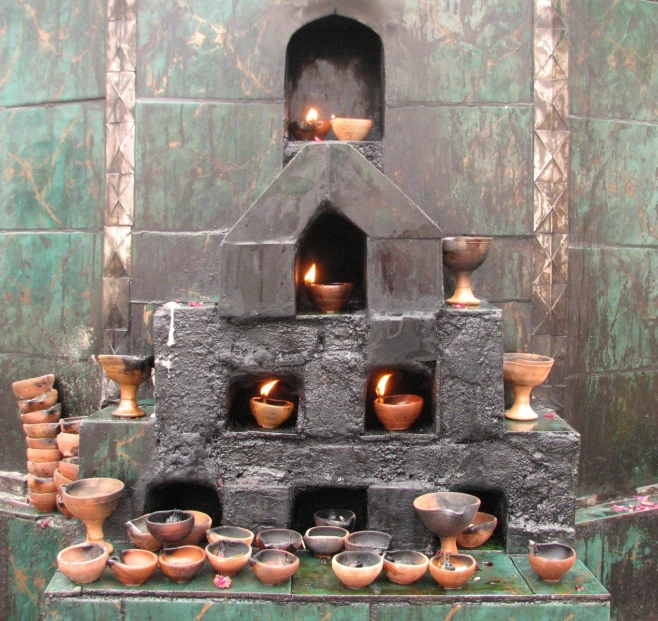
[328, 298]
[41, 430]
[41, 455]
[463, 255]
[171, 527]
[524, 372]
[228, 557]
[132, 567]
[45, 502]
[368, 541]
[551, 561]
[92, 501]
[182, 564]
[49, 415]
[83, 563]
[68, 444]
[452, 571]
[33, 386]
[202, 522]
[42, 468]
[343, 518]
[70, 467]
[60, 480]
[279, 539]
[61, 507]
[357, 569]
[446, 514]
[41, 443]
[140, 536]
[71, 424]
[325, 541]
[129, 372]
[273, 567]
[41, 485]
[478, 532]
[311, 128]
[270, 413]
[405, 566]
[229, 533]
[41, 402]
[351, 129]
[396, 412]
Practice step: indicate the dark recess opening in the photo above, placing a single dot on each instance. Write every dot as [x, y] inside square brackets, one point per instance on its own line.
[338, 249]
[185, 495]
[493, 502]
[311, 499]
[335, 65]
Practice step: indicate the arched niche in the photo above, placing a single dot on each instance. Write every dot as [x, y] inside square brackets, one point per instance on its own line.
[336, 65]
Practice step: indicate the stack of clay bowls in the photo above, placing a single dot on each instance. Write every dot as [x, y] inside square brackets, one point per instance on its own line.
[68, 442]
[40, 414]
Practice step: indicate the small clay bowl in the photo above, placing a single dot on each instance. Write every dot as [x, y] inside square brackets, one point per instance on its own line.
[51, 415]
[170, 534]
[41, 455]
[270, 413]
[133, 567]
[41, 430]
[343, 518]
[274, 567]
[140, 536]
[68, 444]
[62, 508]
[41, 402]
[72, 424]
[551, 561]
[398, 412]
[45, 503]
[228, 557]
[330, 297]
[309, 131]
[60, 479]
[83, 563]
[42, 443]
[368, 541]
[357, 569]
[229, 533]
[202, 522]
[42, 468]
[182, 564]
[351, 129]
[478, 532]
[70, 468]
[279, 539]
[405, 566]
[41, 485]
[33, 386]
[464, 568]
[325, 541]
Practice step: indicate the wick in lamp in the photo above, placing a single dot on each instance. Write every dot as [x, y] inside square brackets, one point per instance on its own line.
[328, 298]
[397, 412]
[311, 128]
[270, 413]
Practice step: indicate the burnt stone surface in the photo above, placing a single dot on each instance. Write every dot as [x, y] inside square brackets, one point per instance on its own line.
[372, 150]
[257, 507]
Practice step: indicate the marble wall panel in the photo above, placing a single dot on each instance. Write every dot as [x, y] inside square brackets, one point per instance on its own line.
[470, 168]
[52, 164]
[201, 166]
[51, 50]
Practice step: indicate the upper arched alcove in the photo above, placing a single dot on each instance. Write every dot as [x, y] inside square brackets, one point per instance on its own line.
[336, 65]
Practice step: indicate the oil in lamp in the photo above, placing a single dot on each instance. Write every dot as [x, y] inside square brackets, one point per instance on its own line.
[328, 298]
[270, 413]
[311, 128]
[397, 412]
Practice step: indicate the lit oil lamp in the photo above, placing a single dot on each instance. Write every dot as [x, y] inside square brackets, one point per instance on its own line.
[397, 412]
[270, 413]
[311, 128]
[328, 298]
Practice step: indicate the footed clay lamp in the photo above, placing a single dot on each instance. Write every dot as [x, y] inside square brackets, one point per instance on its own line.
[446, 514]
[343, 518]
[452, 571]
[182, 564]
[463, 255]
[202, 522]
[140, 536]
[274, 567]
[50, 415]
[83, 563]
[41, 402]
[229, 533]
[351, 129]
[325, 541]
[405, 566]
[228, 557]
[68, 444]
[33, 387]
[327, 298]
[524, 372]
[279, 539]
[270, 413]
[133, 567]
[550, 561]
[396, 412]
[368, 541]
[478, 532]
[357, 569]
[129, 372]
[170, 528]
[92, 501]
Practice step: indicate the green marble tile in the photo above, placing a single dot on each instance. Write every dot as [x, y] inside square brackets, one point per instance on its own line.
[51, 50]
[542, 424]
[202, 165]
[612, 59]
[76, 609]
[614, 188]
[51, 286]
[470, 169]
[52, 162]
[614, 509]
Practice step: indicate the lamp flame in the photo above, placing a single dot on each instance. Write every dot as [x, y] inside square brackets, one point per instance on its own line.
[381, 384]
[310, 275]
[312, 116]
[265, 390]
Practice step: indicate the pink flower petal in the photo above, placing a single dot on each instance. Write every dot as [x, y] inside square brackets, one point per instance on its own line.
[458, 305]
[549, 415]
[642, 498]
[195, 303]
[222, 582]
[618, 508]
